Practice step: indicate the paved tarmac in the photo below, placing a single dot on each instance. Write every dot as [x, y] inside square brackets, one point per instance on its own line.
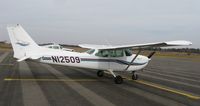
[164, 82]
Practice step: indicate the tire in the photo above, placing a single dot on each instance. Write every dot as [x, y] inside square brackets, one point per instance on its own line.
[100, 73]
[134, 77]
[118, 79]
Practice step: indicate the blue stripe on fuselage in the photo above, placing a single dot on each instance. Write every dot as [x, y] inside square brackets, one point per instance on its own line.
[112, 60]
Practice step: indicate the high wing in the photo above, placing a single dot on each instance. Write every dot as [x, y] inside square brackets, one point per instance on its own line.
[136, 46]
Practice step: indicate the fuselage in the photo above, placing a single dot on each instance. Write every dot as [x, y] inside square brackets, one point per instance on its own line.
[86, 60]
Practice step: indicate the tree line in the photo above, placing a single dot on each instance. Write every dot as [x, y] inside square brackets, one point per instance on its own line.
[186, 50]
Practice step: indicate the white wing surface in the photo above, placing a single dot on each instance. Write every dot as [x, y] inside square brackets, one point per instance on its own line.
[135, 46]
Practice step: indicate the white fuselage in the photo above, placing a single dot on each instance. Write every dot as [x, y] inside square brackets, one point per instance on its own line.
[91, 61]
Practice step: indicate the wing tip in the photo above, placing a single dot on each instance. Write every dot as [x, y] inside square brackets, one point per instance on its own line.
[13, 25]
[179, 43]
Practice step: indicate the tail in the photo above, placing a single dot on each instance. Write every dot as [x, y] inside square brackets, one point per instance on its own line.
[22, 44]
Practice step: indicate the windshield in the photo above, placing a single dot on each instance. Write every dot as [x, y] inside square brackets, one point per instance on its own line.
[128, 52]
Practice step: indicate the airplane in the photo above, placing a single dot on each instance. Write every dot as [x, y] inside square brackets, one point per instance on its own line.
[102, 58]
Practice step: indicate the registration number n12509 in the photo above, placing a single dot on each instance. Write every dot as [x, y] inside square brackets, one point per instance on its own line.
[65, 59]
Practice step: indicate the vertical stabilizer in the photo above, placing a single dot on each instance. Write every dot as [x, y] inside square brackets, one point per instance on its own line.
[22, 43]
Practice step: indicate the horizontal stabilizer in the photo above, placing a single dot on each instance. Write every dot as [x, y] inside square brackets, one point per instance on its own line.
[29, 57]
[22, 59]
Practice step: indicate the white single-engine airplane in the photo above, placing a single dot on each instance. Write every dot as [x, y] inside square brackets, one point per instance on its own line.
[100, 57]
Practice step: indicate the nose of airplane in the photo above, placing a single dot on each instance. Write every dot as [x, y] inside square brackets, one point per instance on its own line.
[144, 59]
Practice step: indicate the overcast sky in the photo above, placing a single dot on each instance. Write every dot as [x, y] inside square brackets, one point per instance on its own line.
[112, 22]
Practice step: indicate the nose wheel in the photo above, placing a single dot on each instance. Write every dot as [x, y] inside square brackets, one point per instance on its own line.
[118, 79]
[134, 76]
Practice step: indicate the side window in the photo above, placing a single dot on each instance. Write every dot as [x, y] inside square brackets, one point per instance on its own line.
[50, 47]
[56, 47]
[112, 53]
[99, 53]
[119, 53]
[116, 53]
[91, 51]
[102, 53]
[105, 53]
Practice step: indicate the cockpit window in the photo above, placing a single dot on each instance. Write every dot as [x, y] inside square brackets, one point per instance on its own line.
[128, 52]
[102, 53]
[119, 53]
[110, 53]
[91, 51]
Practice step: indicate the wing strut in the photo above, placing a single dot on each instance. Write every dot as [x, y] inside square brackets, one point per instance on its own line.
[133, 59]
[151, 54]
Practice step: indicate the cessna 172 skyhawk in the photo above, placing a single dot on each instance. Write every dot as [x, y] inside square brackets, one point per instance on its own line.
[100, 57]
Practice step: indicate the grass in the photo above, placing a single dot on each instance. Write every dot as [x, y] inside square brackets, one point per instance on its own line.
[5, 47]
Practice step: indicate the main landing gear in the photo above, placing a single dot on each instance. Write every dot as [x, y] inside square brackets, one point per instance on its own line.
[134, 76]
[100, 73]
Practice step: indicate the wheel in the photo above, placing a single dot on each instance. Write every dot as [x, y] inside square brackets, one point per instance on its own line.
[134, 77]
[100, 73]
[118, 79]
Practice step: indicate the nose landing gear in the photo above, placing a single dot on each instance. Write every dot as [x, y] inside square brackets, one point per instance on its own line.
[118, 79]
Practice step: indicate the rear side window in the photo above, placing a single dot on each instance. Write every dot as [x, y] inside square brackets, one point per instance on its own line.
[50, 47]
[91, 51]
[56, 47]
